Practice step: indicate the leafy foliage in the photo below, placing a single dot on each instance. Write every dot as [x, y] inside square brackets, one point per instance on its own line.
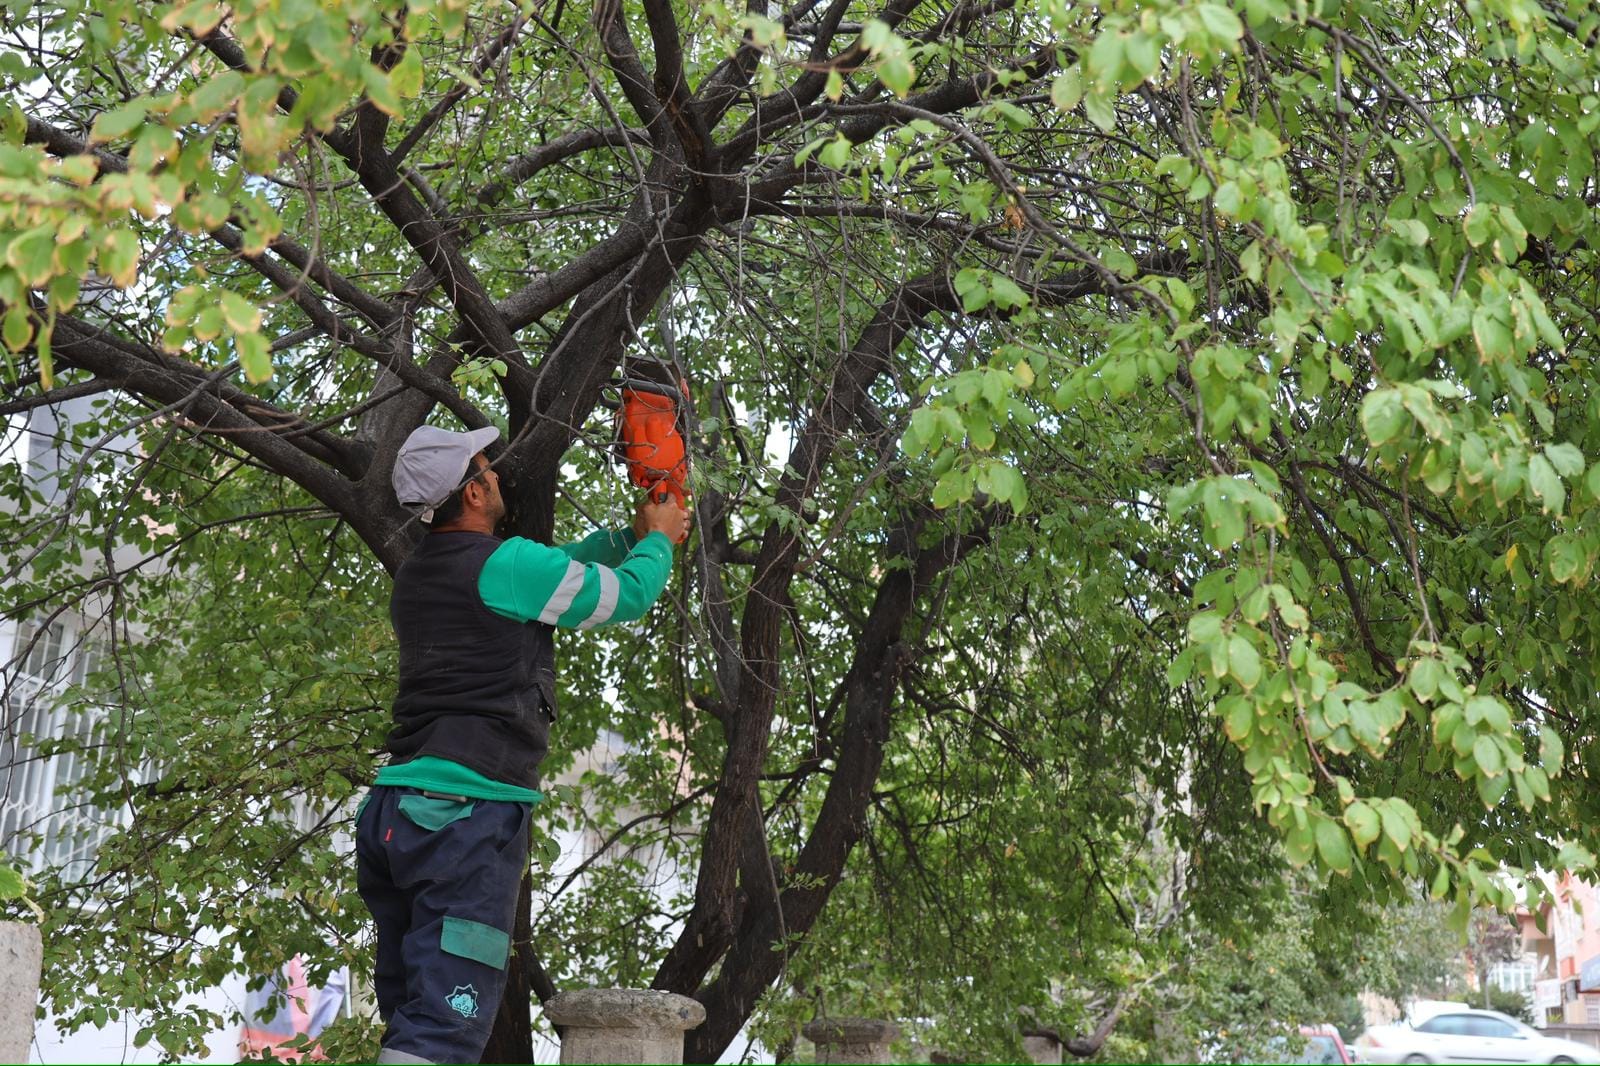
[1116, 422]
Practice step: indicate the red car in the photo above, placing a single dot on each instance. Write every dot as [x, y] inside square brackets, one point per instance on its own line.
[1324, 1045]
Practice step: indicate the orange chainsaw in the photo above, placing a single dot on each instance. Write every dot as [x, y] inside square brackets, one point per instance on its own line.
[650, 429]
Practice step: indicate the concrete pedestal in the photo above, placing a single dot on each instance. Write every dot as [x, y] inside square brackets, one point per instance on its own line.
[21, 957]
[1042, 1047]
[623, 1024]
[851, 1039]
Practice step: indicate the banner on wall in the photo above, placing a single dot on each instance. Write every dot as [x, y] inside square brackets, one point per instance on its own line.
[286, 1007]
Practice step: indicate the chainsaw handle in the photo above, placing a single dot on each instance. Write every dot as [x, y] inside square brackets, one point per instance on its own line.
[663, 492]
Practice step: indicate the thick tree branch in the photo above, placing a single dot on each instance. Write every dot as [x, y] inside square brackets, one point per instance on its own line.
[529, 163]
[361, 147]
[798, 105]
[254, 426]
[670, 86]
[434, 244]
[623, 57]
[870, 684]
[290, 284]
[720, 89]
[709, 927]
[57, 395]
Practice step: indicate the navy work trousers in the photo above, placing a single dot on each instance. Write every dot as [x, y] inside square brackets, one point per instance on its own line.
[440, 876]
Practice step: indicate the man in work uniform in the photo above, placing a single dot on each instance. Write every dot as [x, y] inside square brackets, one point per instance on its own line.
[442, 838]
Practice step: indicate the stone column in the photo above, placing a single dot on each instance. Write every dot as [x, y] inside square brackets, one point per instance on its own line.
[851, 1039]
[1043, 1046]
[623, 1024]
[21, 957]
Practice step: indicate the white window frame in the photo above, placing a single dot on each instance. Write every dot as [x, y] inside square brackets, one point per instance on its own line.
[39, 826]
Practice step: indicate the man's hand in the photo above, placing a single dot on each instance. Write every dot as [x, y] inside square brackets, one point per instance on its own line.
[666, 518]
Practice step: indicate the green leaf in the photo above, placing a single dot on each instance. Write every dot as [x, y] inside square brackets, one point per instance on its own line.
[18, 328]
[1566, 558]
[381, 91]
[1067, 88]
[1395, 826]
[1007, 293]
[1243, 661]
[1566, 458]
[1545, 484]
[406, 77]
[119, 258]
[1006, 484]
[1300, 844]
[119, 122]
[972, 285]
[1491, 789]
[1333, 845]
[1220, 22]
[1143, 54]
[1410, 230]
[1118, 261]
[1486, 753]
[897, 73]
[1425, 677]
[255, 356]
[1479, 225]
[12, 884]
[216, 95]
[1489, 711]
[1238, 716]
[240, 314]
[1101, 111]
[1104, 61]
[1492, 335]
[1228, 198]
[1551, 750]
[876, 34]
[948, 490]
[1383, 415]
[1363, 821]
[32, 255]
[836, 153]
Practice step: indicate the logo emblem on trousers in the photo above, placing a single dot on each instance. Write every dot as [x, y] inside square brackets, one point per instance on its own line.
[463, 999]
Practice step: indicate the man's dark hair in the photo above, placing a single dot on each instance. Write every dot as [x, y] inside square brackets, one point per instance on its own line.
[450, 509]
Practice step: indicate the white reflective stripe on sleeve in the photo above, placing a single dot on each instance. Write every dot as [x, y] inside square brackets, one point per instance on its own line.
[610, 588]
[564, 594]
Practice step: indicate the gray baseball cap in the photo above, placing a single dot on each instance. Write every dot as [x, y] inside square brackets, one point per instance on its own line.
[433, 463]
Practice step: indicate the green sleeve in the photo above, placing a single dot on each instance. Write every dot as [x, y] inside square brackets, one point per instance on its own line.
[531, 582]
[605, 546]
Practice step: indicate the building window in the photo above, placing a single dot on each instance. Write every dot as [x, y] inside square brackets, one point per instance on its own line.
[43, 660]
[1516, 976]
[14, 440]
[40, 822]
[1591, 1010]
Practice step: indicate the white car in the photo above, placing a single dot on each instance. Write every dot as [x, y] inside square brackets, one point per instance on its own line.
[1467, 1035]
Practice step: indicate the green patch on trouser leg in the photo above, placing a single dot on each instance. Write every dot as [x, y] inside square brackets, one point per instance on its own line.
[476, 941]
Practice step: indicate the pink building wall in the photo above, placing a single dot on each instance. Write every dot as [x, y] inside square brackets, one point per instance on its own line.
[1572, 925]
